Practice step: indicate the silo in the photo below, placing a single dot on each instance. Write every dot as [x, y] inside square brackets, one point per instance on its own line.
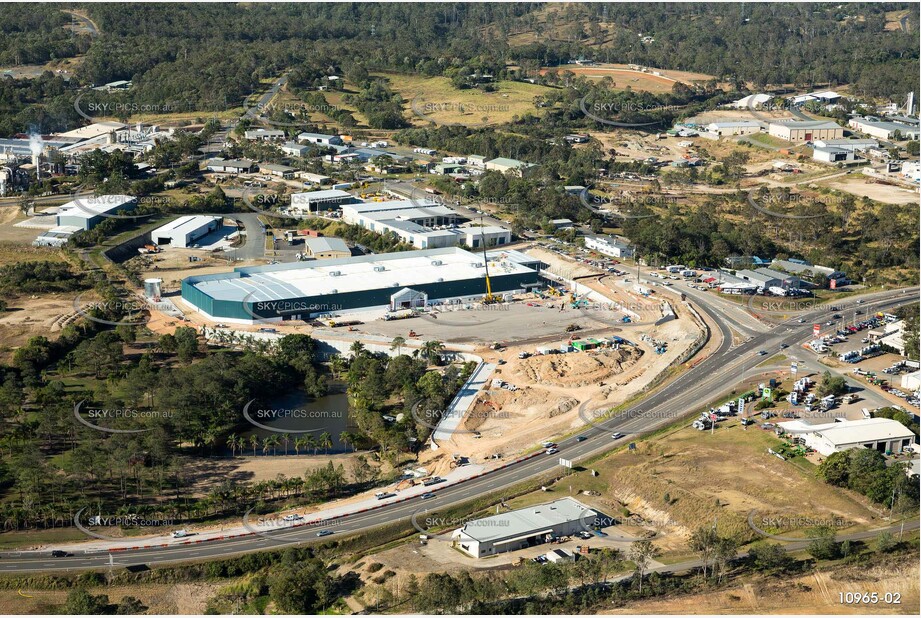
[152, 288]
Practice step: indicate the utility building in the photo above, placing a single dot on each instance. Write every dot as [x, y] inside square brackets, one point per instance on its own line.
[184, 231]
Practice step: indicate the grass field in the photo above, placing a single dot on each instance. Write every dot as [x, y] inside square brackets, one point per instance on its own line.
[690, 478]
[436, 100]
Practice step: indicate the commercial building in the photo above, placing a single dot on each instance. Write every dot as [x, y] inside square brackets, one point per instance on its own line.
[523, 528]
[561, 224]
[911, 381]
[882, 129]
[230, 166]
[889, 334]
[303, 290]
[325, 248]
[730, 284]
[734, 127]
[315, 201]
[313, 179]
[805, 270]
[881, 434]
[265, 135]
[503, 164]
[767, 278]
[608, 245]
[87, 212]
[184, 231]
[805, 130]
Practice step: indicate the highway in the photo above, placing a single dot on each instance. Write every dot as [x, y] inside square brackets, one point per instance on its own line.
[705, 381]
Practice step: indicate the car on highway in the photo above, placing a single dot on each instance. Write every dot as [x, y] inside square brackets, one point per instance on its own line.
[292, 517]
[427, 496]
[324, 532]
[762, 352]
[581, 438]
[617, 436]
[552, 451]
[59, 553]
[784, 346]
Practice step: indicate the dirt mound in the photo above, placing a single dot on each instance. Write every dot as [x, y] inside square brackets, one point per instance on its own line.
[491, 408]
[578, 368]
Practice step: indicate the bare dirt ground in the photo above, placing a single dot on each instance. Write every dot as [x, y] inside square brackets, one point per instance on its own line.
[857, 184]
[552, 388]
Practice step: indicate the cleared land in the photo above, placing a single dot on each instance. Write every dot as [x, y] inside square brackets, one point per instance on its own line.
[624, 76]
[435, 99]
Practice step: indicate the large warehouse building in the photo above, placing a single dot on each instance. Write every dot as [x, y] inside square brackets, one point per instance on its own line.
[806, 130]
[303, 290]
[86, 212]
[523, 528]
[184, 231]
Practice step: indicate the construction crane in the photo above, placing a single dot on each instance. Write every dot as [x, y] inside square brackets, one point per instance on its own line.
[489, 299]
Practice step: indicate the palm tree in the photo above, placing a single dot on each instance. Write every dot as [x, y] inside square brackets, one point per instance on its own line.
[254, 442]
[241, 443]
[232, 443]
[310, 442]
[326, 441]
[397, 344]
[431, 349]
[345, 438]
[299, 443]
[338, 365]
[285, 438]
[357, 349]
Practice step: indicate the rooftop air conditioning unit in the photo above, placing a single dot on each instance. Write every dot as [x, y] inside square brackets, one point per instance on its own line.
[335, 273]
[379, 269]
[440, 279]
[334, 291]
[436, 262]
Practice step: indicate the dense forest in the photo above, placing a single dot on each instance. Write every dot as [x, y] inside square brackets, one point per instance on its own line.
[211, 56]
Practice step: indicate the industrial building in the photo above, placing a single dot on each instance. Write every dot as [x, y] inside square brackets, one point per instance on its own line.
[280, 171]
[730, 284]
[422, 223]
[882, 129]
[734, 127]
[293, 149]
[881, 434]
[230, 166]
[303, 290]
[264, 135]
[87, 212]
[315, 201]
[325, 247]
[321, 139]
[56, 236]
[502, 164]
[805, 130]
[752, 101]
[184, 231]
[608, 245]
[832, 154]
[523, 528]
[856, 144]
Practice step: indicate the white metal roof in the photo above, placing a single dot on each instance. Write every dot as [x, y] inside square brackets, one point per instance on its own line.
[325, 243]
[529, 521]
[184, 225]
[303, 279]
[86, 207]
[853, 432]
